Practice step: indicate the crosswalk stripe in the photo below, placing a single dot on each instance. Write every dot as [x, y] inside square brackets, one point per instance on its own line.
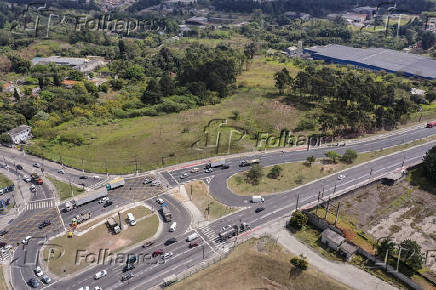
[40, 204]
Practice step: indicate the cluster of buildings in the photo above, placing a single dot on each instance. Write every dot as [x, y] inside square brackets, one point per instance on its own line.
[84, 65]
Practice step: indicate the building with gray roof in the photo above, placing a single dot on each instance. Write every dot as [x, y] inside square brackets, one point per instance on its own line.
[411, 65]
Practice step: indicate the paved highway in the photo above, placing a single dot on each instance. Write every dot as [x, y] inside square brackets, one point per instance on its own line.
[279, 205]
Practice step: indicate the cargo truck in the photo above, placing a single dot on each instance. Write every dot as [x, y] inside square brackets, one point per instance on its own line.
[76, 202]
[215, 164]
[248, 162]
[113, 225]
[166, 213]
[115, 183]
[257, 198]
[231, 232]
[431, 124]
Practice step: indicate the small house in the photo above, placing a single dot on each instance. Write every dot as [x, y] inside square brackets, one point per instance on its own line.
[332, 239]
[20, 134]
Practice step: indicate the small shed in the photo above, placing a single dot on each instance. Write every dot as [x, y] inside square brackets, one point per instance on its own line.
[332, 239]
[347, 250]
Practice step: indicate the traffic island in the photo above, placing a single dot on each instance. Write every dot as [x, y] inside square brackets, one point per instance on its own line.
[67, 255]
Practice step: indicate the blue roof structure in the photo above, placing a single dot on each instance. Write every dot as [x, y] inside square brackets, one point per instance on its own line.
[411, 65]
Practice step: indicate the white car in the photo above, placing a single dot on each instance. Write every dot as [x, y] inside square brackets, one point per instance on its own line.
[27, 178]
[97, 288]
[226, 227]
[96, 177]
[84, 288]
[26, 240]
[38, 271]
[32, 188]
[104, 199]
[160, 201]
[184, 175]
[155, 183]
[100, 274]
[194, 170]
[61, 171]
[340, 177]
[36, 165]
[167, 255]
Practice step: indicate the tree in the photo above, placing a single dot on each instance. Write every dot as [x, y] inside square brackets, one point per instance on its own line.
[249, 50]
[300, 262]
[332, 155]
[298, 220]
[19, 64]
[255, 174]
[283, 79]
[275, 172]
[16, 94]
[411, 254]
[152, 94]
[349, 156]
[429, 165]
[117, 84]
[75, 75]
[5, 139]
[428, 39]
[236, 115]
[310, 160]
[386, 246]
[166, 84]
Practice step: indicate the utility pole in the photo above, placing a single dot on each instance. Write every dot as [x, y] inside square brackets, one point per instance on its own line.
[298, 198]
[334, 191]
[191, 193]
[370, 172]
[327, 209]
[121, 224]
[399, 256]
[136, 166]
[107, 172]
[404, 159]
[337, 213]
[71, 187]
[83, 169]
[317, 205]
[203, 251]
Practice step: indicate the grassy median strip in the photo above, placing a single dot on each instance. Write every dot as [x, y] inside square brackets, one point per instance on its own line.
[199, 193]
[298, 173]
[3, 284]
[64, 189]
[4, 181]
[65, 259]
[258, 264]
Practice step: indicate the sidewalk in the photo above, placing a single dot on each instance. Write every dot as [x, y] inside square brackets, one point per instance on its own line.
[342, 272]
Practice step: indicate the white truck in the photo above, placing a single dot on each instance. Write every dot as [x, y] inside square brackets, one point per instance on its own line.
[113, 225]
[257, 199]
[79, 201]
[249, 162]
[115, 183]
[216, 163]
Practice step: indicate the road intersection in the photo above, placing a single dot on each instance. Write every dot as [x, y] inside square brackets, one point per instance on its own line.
[153, 271]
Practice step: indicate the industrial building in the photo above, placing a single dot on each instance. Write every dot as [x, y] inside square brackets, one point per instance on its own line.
[411, 65]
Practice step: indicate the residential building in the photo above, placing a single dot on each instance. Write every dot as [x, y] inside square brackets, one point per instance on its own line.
[80, 64]
[20, 134]
[69, 83]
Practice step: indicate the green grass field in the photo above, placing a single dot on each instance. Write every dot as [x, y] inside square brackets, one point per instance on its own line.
[4, 181]
[149, 140]
[64, 189]
[203, 200]
[65, 263]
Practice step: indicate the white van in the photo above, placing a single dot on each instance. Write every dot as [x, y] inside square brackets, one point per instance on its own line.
[173, 227]
[131, 219]
[192, 237]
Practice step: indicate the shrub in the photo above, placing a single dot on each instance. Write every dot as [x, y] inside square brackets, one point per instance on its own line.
[275, 172]
[349, 156]
[300, 262]
[298, 220]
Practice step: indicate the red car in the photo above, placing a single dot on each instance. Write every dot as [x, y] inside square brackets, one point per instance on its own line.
[193, 244]
[157, 253]
[39, 181]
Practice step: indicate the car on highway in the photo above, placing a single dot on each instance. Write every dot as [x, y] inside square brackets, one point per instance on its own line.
[96, 177]
[19, 167]
[38, 271]
[27, 178]
[127, 277]
[128, 267]
[157, 253]
[208, 170]
[259, 209]
[155, 183]
[100, 274]
[160, 201]
[46, 279]
[103, 199]
[173, 227]
[107, 203]
[3, 165]
[193, 244]
[195, 170]
[83, 177]
[3, 232]
[147, 180]
[168, 255]
[340, 177]
[131, 259]
[44, 224]
[32, 188]
[61, 171]
[26, 240]
[184, 175]
[226, 227]
[33, 283]
[36, 165]
[170, 241]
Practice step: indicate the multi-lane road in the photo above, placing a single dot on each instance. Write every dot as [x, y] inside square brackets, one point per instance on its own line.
[152, 271]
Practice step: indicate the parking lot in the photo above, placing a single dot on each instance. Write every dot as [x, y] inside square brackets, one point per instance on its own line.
[27, 224]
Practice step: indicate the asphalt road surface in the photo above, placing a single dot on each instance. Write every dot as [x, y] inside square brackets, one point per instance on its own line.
[149, 274]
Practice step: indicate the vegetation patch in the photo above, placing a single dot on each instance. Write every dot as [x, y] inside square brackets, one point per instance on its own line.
[4, 181]
[65, 190]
